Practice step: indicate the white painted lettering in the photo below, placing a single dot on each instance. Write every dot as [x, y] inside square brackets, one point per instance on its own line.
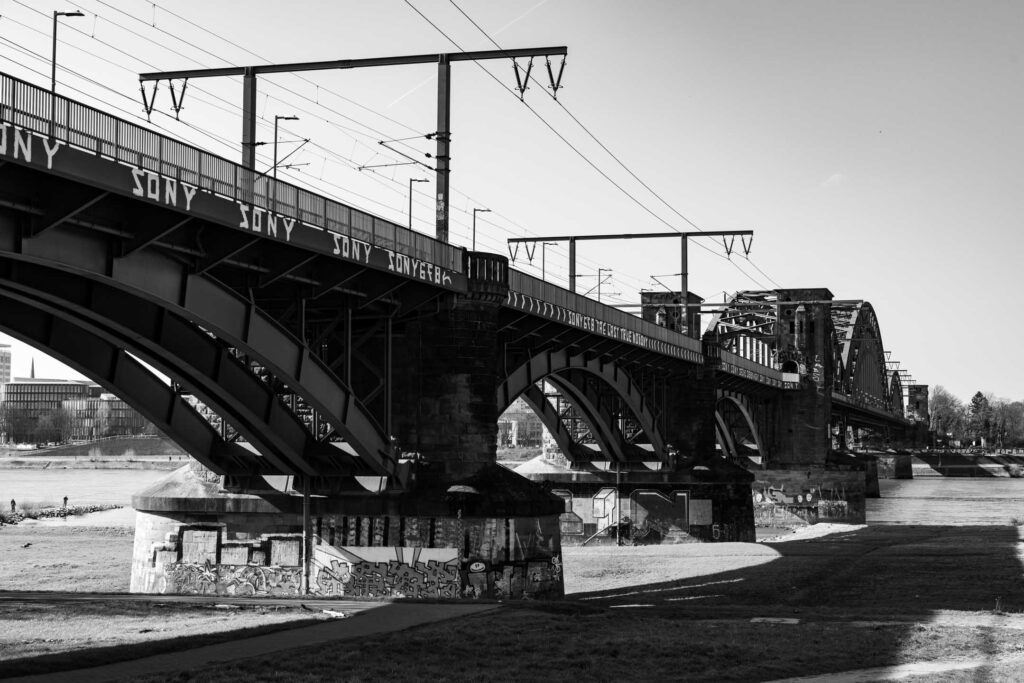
[23, 145]
[337, 247]
[289, 223]
[245, 215]
[152, 186]
[139, 191]
[257, 218]
[272, 224]
[190, 192]
[3, 138]
[170, 191]
[50, 151]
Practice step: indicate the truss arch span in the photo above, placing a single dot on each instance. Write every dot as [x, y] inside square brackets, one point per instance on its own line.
[861, 372]
[191, 357]
[559, 364]
[737, 428]
[109, 365]
[170, 284]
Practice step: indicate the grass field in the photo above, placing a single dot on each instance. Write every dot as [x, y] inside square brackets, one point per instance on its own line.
[868, 597]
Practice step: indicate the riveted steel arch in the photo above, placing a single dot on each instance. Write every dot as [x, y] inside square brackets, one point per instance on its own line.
[536, 399]
[600, 420]
[184, 352]
[115, 369]
[549, 363]
[861, 352]
[727, 434]
[240, 323]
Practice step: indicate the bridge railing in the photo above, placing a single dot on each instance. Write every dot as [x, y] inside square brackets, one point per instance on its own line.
[545, 291]
[740, 366]
[84, 127]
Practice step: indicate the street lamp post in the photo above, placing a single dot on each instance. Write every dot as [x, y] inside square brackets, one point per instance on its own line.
[53, 66]
[411, 181]
[474, 224]
[543, 258]
[276, 119]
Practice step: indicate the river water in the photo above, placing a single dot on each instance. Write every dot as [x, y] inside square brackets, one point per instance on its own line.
[948, 501]
[940, 501]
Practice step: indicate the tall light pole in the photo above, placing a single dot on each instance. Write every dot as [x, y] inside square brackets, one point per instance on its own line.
[474, 224]
[411, 181]
[543, 259]
[53, 66]
[276, 119]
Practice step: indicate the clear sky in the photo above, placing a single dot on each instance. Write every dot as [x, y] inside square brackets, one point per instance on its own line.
[874, 147]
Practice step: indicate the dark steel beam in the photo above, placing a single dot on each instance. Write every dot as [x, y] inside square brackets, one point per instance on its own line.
[353, 63]
[146, 235]
[68, 205]
[118, 372]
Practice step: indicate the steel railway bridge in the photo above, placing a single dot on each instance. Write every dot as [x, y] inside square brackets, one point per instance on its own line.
[368, 364]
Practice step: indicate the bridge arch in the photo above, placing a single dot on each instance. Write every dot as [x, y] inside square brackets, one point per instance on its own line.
[170, 284]
[108, 364]
[735, 425]
[861, 372]
[190, 356]
[556, 366]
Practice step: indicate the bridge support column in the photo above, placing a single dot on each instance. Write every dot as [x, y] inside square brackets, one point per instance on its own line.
[445, 383]
[690, 417]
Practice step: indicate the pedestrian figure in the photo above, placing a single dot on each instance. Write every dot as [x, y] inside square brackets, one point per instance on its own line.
[65, 501]
[13, 506]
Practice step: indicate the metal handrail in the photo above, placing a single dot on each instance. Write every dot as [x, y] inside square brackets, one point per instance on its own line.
[84, 127]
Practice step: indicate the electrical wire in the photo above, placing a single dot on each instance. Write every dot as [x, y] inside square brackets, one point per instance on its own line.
[602, 145]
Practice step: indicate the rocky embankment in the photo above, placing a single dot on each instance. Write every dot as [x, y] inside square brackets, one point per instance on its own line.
[53, 512]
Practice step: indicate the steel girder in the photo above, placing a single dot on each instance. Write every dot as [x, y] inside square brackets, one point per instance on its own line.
[601, 421]
[552, 363]
[170, 284]
[187, 354]
[113, 368]
[735, 421]
[551, 420]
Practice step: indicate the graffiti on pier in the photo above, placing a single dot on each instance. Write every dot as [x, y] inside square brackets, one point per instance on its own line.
[244, 580]
[788, 504]
[255, 580]
[386, 572]
[193, 579]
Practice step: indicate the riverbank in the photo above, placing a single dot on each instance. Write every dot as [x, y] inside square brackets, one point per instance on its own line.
[812, 604]
[128, 453]
[36, 513]
[46, 462]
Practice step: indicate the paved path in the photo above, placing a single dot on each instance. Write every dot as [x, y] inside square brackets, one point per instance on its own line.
[372, 619]
[903, 671]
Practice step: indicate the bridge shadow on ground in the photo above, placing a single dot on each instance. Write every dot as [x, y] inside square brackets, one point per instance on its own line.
[870, 596]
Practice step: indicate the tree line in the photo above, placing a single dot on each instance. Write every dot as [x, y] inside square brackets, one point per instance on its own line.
[984, 420]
